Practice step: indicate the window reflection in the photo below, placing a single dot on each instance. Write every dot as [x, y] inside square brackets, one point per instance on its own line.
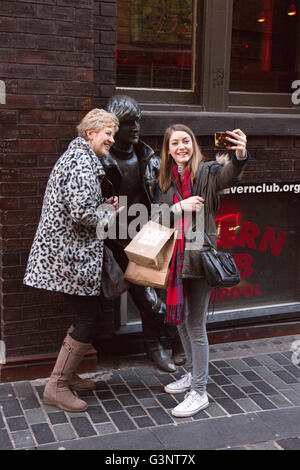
[154, 44]
[265, 53]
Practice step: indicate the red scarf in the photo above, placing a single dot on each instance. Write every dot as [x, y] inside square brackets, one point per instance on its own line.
[176, 288]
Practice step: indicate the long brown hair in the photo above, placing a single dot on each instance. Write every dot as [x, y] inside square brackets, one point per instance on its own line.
[167, 161]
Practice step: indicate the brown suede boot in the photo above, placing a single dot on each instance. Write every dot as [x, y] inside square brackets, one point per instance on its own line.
[57, 392]
[76, 382]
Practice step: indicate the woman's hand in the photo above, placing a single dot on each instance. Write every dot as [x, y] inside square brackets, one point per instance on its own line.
[239, 139]
[114, 200]
[192, 204]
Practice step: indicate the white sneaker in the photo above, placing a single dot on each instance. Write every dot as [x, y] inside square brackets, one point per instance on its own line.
[192, 403]
[181, 385]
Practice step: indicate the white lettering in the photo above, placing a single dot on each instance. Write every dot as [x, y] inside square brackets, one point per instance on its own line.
[296, 94]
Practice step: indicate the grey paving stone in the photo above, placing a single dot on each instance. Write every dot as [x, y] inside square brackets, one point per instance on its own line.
[215, 433]
[148, 402]
[214, 410]
[250, 375]
[230, 406]
[290, 444]
[141, 439]
[17, 424]
[280, 358]
[221, 379]
[26, 395]
[247, 405]
[159, 415]
[292, 396]
[122, 421]
[64, 432]
[215, 391]
[11, 407]
[105, 395]
[250, 390]
[120, 389]
[36, 415]
[264, 387]
[285, 376]
[83, 426]
[150, 380]
[5, 443]
[23, 439]
[143, 393]
[127, 400]
[112, 405]
[237, 364]
[106, 428]
[294, 370]
[6, 391]
[296, 387]
[144, 422]
[167, 401]
[128, 374]
[97, 414]
[251, 361]
[284, 422]
[240, 381]
[42, 433]
[229, 371]
[135, 411]
[280, 401]
[58, 418]
[233, 391]
[268, 361]
[262, 401]
[271, 378]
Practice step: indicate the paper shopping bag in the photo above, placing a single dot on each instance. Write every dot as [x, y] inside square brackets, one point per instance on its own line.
[152, 277]
[148, 246]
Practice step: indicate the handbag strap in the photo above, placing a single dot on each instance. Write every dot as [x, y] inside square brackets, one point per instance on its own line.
[181, 199]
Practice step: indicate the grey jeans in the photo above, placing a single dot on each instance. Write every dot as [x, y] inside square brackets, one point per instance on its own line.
[193, 332]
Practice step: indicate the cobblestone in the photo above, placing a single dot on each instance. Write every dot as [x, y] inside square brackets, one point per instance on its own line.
[244, 380]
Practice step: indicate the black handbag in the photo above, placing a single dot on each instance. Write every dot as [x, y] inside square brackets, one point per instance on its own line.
[113, 283]
[219, 267]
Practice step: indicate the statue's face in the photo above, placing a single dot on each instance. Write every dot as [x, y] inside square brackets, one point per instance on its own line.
[129, 131]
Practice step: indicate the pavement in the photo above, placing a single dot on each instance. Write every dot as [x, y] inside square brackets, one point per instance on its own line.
[253, 390]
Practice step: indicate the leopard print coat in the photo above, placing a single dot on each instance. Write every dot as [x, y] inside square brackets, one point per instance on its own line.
[66, 255]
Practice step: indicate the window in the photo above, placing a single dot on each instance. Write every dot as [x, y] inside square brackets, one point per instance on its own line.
[265, 51]
[219, 55]
[155, 44]
[264, 243]
[156, 49]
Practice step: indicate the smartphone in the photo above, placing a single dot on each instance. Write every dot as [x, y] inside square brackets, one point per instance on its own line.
[220, 140]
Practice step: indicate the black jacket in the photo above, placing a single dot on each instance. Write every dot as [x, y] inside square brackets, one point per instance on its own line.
[149, 170]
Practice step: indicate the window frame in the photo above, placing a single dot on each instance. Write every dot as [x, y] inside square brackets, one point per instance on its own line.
[174, 96]
[212, 59]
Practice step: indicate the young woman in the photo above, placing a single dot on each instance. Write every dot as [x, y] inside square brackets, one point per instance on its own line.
[66, 255]
[189, 185]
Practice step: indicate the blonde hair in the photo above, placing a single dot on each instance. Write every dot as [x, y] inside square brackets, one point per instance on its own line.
[167, 162]
[95, 120]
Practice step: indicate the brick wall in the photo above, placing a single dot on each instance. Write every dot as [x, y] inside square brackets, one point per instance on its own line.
[56, 58]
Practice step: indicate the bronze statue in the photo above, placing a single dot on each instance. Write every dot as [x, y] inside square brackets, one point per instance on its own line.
[133, 169]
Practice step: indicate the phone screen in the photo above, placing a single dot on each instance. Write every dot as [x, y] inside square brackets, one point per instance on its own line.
[220, 140]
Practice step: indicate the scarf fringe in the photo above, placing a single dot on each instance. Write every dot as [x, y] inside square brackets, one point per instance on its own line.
[175, 314]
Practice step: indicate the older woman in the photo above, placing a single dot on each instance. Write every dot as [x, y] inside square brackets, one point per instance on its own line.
[66, 255]
[188, 184]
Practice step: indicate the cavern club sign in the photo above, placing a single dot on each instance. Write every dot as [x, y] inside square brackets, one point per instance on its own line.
[260, 225]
